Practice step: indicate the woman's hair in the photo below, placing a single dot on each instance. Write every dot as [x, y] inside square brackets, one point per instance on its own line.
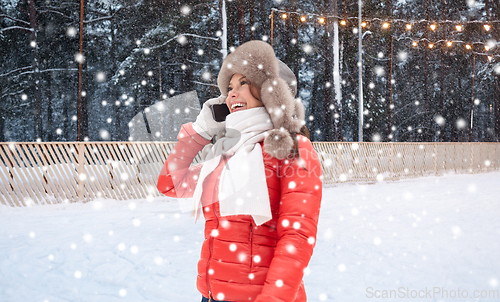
[305, 132]
[253, 88]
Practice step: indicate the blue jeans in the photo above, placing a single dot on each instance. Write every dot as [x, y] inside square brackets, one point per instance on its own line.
[203, 299]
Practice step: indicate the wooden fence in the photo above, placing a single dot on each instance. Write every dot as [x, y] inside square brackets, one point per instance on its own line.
[41, 173]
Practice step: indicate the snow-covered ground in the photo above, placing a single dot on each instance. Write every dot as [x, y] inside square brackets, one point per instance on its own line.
[431, 237]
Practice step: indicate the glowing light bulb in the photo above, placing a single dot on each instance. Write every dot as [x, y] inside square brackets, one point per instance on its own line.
[408, 26]
[385, 25]
[303, 18]
[363, 24]
[468, 46]
[431, 45]
[343, 22]
[322, 20]
[433, 26]
[414, 44]
[459, 27]
[449, 43]
[487, 27]
[284, 16]
[486, 47]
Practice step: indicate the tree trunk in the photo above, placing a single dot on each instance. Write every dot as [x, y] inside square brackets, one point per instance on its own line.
[252, 19]
[187, 57]
[426, 102]
[295, 48]
[35, 59]
[83, 123]
[50, 131]
[241, 21]
[496, 108]
[114, 90]
[336, 73]
[443, 71]
[496, 94]
[85, 105]
[2, 126]
[328, 95]
[388, 97]
[313, 110]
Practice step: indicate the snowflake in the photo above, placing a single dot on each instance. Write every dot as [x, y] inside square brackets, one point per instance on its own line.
[461, 123]
[122, 292]
[100, 76]
[134, 249]
[71, 32]
[182, 39]
[379, 70]
[307, 48]
[402, 55]
[354, 211]
[186, 10]
[439, 120]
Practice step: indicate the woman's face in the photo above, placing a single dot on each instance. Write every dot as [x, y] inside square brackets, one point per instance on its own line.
[241, 94]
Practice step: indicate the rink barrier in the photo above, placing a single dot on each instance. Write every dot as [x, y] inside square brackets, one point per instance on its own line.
[47, 173]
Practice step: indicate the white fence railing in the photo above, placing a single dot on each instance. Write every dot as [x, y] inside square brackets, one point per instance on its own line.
[40, 173]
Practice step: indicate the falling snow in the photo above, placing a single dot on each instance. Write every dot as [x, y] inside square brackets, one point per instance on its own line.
[436, 231]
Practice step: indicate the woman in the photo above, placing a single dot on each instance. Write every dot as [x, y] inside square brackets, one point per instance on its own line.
[259, 187]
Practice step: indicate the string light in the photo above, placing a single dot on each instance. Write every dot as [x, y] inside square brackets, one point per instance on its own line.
[408, 25]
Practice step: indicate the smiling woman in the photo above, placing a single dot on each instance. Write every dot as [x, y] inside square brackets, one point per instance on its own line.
[241, 94]
[259, 187]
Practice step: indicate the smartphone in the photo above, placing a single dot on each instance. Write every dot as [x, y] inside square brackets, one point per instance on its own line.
[219, 112]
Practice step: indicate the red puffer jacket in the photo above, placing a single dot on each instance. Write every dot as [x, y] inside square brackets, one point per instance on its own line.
[239, 260]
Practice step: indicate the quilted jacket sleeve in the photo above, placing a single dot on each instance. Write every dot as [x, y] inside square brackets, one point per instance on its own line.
[177, 178]
[301, 190]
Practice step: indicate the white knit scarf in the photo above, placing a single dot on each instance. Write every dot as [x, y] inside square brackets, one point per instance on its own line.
[242, 184]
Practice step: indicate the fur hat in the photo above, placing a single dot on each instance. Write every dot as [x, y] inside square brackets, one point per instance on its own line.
[257, 62]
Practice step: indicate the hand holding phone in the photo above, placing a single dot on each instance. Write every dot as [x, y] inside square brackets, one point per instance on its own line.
[219, 112]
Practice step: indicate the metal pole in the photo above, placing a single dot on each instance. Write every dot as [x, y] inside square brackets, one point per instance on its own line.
[360, 74]
[79, 131]
[224, 30]
[472, 97]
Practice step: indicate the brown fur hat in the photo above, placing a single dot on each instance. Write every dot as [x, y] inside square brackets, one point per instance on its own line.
[257, 62]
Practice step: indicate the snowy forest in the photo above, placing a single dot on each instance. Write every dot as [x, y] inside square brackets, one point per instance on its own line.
[431, 69]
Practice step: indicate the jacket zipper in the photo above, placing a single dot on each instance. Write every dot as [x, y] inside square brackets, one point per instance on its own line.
[211, 242]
